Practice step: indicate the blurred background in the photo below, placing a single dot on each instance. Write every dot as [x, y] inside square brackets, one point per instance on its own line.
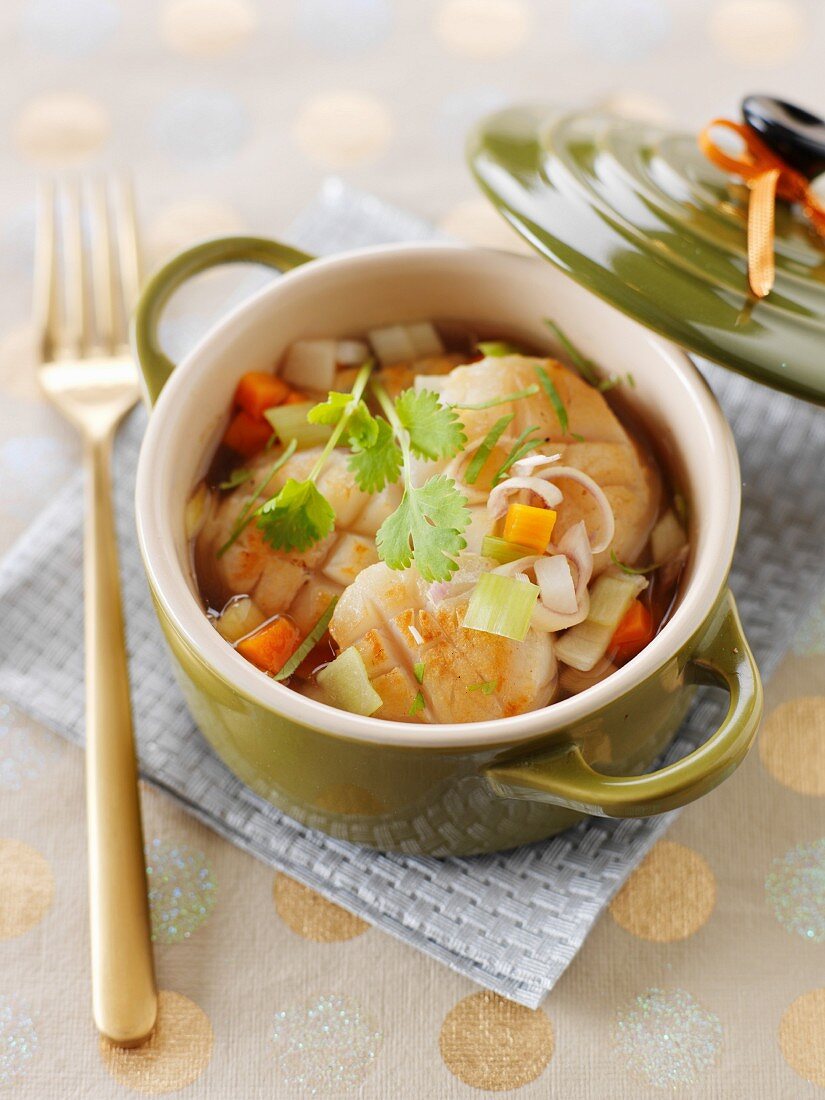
[231, 113]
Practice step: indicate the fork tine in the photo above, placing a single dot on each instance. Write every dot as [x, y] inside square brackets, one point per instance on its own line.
[128, 247]
[76, 332]
[45, 273]
[101, 253]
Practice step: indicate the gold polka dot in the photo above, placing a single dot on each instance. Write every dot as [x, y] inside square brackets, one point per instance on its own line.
[343, 128]
[206, 28]
[181, 224]
[482, 28]
[61, 127]
[176, 1054]
[491, 1043]
[476, 222]
[311, 915]
[26, 888]
[792, 745]
[669, 896]
[802, 1036]
[758, 33]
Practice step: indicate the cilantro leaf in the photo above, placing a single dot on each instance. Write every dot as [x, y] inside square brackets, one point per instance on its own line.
[331, 410]
[246, 514]
[362, 427]
[434, 429]
[379, 464]
[297, 517]
[426, 528]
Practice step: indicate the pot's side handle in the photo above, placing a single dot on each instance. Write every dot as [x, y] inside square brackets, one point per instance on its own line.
[154, 363]
[564, 778]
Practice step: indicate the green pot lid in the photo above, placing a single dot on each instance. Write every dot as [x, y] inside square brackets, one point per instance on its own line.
[637, 214]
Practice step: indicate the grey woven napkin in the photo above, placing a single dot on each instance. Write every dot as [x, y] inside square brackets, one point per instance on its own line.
[510, 921]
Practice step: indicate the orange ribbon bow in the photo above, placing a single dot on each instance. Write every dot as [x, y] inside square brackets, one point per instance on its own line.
[767, 176]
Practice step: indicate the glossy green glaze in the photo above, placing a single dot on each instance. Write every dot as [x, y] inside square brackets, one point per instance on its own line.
[155, 365]
[458, 801]
[639, 216]
[483, 799]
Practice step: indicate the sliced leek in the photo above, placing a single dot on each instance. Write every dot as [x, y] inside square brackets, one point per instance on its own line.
[502, 551]
[501, 605]
[584, 645]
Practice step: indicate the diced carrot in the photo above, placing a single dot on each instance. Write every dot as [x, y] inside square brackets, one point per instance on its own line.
[296, 398]
[529, 526]
[633, 632]
[257, 391]
[246, 434]
[271, 647]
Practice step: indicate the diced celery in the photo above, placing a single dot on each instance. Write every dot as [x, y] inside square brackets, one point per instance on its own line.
[310, 364]
[501, 605]
[290, 422]
[346, 685]
[667, 538]
[502, 551]
[584, 645]
[240, 617]
[610, 597]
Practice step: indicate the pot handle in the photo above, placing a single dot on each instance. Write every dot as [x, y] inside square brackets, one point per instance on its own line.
[562, 777]
[155, 365]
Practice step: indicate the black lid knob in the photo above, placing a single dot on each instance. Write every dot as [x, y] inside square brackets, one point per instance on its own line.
[794, 134]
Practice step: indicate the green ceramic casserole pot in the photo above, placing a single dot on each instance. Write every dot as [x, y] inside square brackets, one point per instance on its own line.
[445, 789]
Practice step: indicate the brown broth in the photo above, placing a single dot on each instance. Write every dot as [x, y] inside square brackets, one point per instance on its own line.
[659, 598]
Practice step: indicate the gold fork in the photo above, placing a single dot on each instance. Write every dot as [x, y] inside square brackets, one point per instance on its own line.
[87, 371]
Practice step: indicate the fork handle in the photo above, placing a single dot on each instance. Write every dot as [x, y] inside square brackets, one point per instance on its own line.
[123, 978]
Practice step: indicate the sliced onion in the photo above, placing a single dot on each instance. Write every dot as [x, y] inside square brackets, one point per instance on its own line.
[498, 500]
[596, 491]
[575, 545]
[525, 466]
[555, 579]
[552, 621]
[456, 468]
[574, 550]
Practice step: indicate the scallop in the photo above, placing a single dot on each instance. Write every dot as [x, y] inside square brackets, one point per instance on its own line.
[468, 675]
[595, 442]
[274, 579]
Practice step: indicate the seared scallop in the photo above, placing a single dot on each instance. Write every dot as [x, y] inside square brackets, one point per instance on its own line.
[595, 442]
[410, 643]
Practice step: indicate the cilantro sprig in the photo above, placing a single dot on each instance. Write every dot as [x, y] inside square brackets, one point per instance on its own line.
[426, 528]
[427, 525]
[300, 515]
